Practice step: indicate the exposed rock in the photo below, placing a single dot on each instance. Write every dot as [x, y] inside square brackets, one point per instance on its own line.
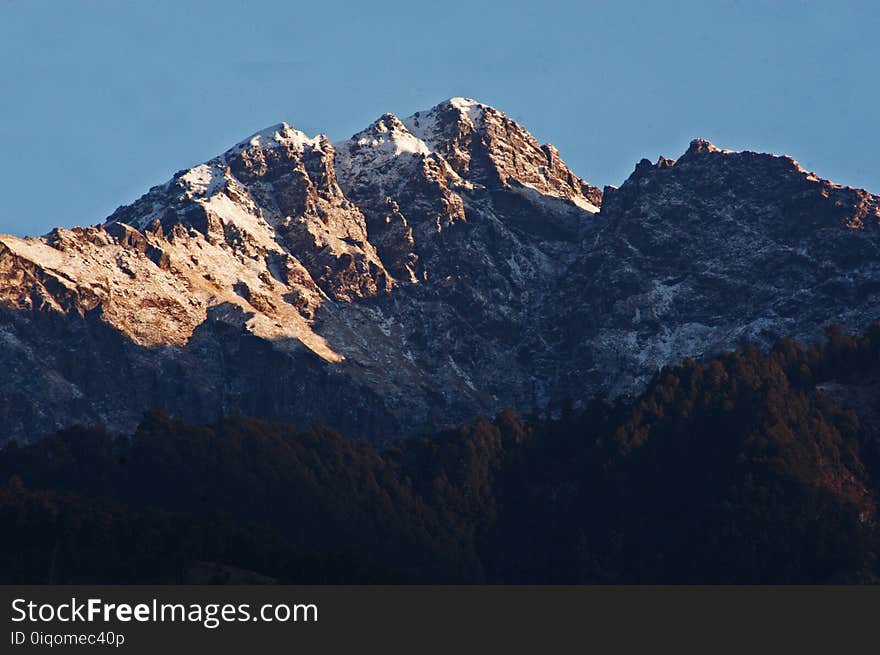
[714, 250]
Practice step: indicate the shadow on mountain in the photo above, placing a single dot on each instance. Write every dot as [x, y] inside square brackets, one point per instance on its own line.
[79, 370]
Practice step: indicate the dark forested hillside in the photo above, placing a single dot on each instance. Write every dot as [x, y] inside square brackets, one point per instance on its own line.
[753, 467]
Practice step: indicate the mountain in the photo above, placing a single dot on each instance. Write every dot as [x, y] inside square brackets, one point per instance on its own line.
[428, 270]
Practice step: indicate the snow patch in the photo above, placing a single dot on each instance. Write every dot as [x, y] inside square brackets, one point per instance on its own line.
[584, 204]
[462, 374]
[551, 202]
[205, 179]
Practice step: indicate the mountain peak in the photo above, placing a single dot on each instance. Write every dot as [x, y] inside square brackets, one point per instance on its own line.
[445, 123]
[275, 136]
[701, 146]
[471, 109]
[463, 103]
[388, 136]
[486, 147]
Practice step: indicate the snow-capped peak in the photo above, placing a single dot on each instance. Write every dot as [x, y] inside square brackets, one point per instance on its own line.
[382, 156]
[275, 136]
[390, 137]
[463, 103]
[472, 109]
[436, 126]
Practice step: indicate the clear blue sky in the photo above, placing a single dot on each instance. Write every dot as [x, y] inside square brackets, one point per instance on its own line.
[101, 100]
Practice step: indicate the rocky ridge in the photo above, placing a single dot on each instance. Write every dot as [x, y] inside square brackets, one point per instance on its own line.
[715, 250]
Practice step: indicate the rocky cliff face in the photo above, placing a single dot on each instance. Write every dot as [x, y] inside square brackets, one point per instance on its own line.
[426, 270]
[709, 252]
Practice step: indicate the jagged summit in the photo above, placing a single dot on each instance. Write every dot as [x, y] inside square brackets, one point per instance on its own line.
[422, 272]
[486, 147]
[280, 134]
[703, 155]
[369, 152]
[388, 130]
[463, 141]
[440, 125]
[700, 146]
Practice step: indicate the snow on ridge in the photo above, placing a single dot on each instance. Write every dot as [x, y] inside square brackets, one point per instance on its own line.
[536, 195]
[389, 136]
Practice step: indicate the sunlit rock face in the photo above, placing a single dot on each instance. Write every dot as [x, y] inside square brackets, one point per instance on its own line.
[428, 270]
